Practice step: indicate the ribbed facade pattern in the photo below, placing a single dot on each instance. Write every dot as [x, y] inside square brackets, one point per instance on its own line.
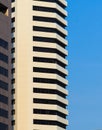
[13, 62]
[49, 64]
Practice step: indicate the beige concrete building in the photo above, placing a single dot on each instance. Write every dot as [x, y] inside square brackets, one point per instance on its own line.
[38, 65]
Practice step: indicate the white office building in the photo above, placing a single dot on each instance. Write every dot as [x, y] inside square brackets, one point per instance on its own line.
[39, 65]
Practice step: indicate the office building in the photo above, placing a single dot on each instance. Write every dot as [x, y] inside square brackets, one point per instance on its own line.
[39, 65]
[5, 66]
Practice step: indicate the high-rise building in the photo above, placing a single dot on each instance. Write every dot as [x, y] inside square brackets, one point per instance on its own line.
[5, 66]
[39, 64]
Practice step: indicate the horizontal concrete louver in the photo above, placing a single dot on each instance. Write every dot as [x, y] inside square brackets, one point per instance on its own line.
[45, 83]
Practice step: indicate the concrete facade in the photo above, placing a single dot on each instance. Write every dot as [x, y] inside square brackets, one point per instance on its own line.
[38, 65]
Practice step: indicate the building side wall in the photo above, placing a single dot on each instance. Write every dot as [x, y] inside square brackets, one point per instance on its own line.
[22, 65]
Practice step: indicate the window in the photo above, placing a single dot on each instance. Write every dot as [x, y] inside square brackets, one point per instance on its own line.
[3, 58]
[3, 71]
[3, 44]
[3, 126]
[3, 99]
[48, 9]
[49, 112]
[48, 60]
[13, 30]
[49, 122]
[13, 60]
[13, 101]
[13, 40]
[47, 29]
[3, 85]
[3, 113]
[13, 91]
[12, 81]
[56, 1]
[50, 40]
[49, 91]
[13, 112]
[13, 71]
[13, 19]
[48, 50]
[13, 9]
[46, 19]
[45, 70]
[52, 81]
[12, 0]
[13, 50]
[13, 122]
[49, 101]
[3, 9]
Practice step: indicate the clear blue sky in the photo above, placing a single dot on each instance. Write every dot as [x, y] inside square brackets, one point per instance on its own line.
[85, 64]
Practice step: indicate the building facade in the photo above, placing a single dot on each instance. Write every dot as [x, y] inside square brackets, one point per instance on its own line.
[38, 65]
[5, 66]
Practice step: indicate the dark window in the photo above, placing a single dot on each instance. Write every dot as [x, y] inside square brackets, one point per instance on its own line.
[55, 1]
[3, 44]
[3, 113]
[13, 122]
[12, 0]
[48, 9]
[48, 60]
[48, 112]
[50, 40]
[12, 29]
[13, 9]
[52, 81]
[45, 70]
[3, 126]
[13, 60]
[47, 29]
[12, 81]
[49, 101]
[3, 58]
[13, 19]
[49, 122]
[3, 9]
[3, 99]
[46, 19]
[13, 71]
[13, 50]
[49, 91]
[3, 85]
[3, 71]
[48, 50]
[13, 91]
[13, 40]
[13, 112]
[13, 101]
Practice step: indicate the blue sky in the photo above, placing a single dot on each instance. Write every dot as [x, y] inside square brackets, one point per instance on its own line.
[85, 64]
